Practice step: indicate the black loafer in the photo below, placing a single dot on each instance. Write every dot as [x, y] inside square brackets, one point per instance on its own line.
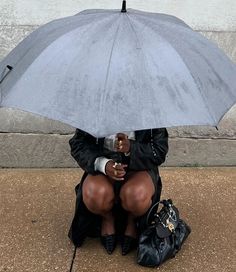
[109, 242]
[128, 243]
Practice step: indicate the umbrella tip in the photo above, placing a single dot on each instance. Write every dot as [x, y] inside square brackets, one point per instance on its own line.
[9, 67]
[124, 7]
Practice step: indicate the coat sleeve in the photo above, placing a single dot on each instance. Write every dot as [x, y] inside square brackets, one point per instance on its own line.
[144, 156]
[84, 150]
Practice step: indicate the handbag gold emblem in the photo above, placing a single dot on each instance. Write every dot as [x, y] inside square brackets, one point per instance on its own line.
[171, 227]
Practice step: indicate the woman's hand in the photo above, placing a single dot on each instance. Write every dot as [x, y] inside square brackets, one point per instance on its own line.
[122, 143]
[115, 170]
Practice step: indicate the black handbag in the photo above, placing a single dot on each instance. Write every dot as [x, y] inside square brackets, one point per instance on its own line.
[163, 237]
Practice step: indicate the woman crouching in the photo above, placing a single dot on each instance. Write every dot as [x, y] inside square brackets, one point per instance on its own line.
[120, 183]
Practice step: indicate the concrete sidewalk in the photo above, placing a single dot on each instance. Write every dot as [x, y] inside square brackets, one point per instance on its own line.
[37, 205]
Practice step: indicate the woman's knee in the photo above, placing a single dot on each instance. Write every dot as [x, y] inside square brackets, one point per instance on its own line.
[98, 196]
[135, 199]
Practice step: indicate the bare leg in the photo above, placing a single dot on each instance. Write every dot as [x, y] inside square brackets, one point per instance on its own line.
[136, 197]
[98, 196]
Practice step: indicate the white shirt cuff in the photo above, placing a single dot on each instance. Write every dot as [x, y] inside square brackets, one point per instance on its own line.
[100, 164]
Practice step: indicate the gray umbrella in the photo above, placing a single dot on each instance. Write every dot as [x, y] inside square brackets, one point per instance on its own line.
[106, 71]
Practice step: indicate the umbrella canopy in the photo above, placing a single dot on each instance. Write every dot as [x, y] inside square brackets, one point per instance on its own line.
[106, 71]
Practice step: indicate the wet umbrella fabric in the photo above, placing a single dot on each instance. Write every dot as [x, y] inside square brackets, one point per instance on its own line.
[106, 71]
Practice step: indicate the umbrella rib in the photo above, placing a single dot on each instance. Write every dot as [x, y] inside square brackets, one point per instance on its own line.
[37, 39]
[107, 74]
[144, 56]
[184, 62]
[190, 72]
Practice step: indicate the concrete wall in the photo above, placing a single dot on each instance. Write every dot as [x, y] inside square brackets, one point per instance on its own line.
[27, 140]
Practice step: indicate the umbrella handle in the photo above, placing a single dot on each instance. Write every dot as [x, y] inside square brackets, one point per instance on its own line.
[124, 7]
[9, 70]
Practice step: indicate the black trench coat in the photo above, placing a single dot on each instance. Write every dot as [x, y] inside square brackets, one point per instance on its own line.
[147, 152]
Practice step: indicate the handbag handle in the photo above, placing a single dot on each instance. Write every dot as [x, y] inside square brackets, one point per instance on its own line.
[163, 202]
